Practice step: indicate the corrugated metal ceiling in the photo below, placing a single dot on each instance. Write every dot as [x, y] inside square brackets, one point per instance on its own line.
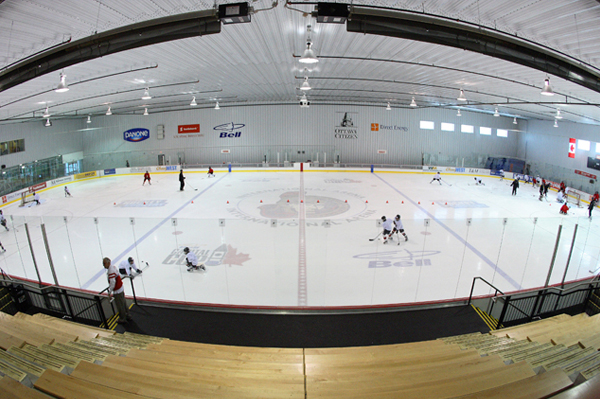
[257, 62]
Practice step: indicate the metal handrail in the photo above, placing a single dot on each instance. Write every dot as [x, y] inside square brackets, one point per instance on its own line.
[561, 290]
[488, 283]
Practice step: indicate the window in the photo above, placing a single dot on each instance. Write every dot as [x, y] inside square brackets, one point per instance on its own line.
[486, 131]
[502, 133]
[447, 127]
[427, 125]
[10, 147]
[597, 147]
[467, 129]
[583, 145]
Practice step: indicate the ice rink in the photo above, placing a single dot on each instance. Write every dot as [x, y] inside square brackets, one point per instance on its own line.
[277, 237]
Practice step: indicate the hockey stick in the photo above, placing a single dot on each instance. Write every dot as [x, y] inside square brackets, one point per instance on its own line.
[192, 187]
[147, 265]
[447, 183]
[376, 237]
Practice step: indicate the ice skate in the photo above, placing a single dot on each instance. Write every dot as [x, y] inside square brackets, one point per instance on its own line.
[405, 238]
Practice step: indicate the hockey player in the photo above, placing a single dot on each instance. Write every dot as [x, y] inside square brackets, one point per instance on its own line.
[592, 205]
[515, 185]
[388, 227]
[3, 220]
[399, 228]
[147, 177]
[560, 197]
[192, 261]
[181, 180]
[67, 192]
[36, 198]
[127, 265]
[437, 177]
[478, 181]
[564, 209]
[501, 174]
[210, 172]
[542, 185]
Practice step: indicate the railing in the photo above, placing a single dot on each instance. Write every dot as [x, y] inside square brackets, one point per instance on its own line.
[80, 307]
[544, 302]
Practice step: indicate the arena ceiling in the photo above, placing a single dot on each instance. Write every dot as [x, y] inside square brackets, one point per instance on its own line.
[498, 51]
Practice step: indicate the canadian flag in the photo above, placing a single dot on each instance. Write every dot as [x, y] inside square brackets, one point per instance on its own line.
[572, 148]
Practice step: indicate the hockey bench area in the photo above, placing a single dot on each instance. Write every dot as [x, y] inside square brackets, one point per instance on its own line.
[286, 237]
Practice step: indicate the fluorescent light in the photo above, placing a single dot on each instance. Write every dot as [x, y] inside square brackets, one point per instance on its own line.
[89, 119]
[48, 123]
[555, 123]
[108, 112]
[62, 86]
[496, 113]
[147, 95]
[389, 107]
[461, 96]
[558, 115]
[145, 111]
[515, 121]
[217, 105]
[308, 57]
[413, 103]
[46, 113]
[193, 103]
[458, 113]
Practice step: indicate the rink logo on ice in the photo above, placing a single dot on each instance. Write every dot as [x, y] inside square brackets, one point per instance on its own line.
[402, 258]
[229, 130]
[135, 135]
[141, 203]
[330, 181]
[223, 255]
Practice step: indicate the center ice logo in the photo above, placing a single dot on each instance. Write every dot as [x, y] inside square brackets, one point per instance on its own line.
[135, 135]
[402, 258]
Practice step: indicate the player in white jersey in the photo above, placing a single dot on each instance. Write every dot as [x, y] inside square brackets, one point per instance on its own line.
[127, 265]
[388, 227]
[3, 220]
[501, 174]
[192, 261]
[437, 177]
[67, 192]
[399, 228]
[478, 181]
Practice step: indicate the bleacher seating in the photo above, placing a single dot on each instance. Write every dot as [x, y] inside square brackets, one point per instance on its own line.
[43, 356]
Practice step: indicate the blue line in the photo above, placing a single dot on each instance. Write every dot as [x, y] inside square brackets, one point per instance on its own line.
[459, 238]
[132, 246]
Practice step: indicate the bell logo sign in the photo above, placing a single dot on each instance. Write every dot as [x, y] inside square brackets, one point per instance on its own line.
[135, 135]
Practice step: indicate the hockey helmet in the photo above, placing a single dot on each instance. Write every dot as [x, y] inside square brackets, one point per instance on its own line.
[398, 217]
[186, 250]
[383, 218]
[130, 260]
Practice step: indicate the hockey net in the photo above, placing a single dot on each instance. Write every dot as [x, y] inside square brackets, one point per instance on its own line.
[25, 198]
[575, 199]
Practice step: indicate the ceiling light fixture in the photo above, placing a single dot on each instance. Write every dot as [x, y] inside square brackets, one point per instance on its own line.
[389, 107]
[555, 123]
[304, 102]
[109, 112]
[193, 103]
[547, 90]
[413, 103]
[305, 85]
[46, 113]
[48, 123]
[308, 57]
[217, 105]
[62, 86]
[145, 111]
[496, 113]
[515, 121]
[461, 96]
[89, 119]
[147, 95]
[558, 115]
[458, 113]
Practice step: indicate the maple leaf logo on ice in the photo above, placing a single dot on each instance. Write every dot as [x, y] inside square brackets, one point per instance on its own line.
[233, 258]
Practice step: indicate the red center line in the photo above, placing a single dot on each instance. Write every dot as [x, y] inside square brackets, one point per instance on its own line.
[302, 285]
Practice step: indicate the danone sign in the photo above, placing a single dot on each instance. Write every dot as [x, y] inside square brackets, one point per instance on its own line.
[135, 135]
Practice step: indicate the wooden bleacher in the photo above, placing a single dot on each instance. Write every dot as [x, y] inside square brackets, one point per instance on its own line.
[46, 357]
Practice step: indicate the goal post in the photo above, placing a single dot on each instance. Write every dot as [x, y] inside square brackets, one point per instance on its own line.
[574, 198]
[24, 198]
